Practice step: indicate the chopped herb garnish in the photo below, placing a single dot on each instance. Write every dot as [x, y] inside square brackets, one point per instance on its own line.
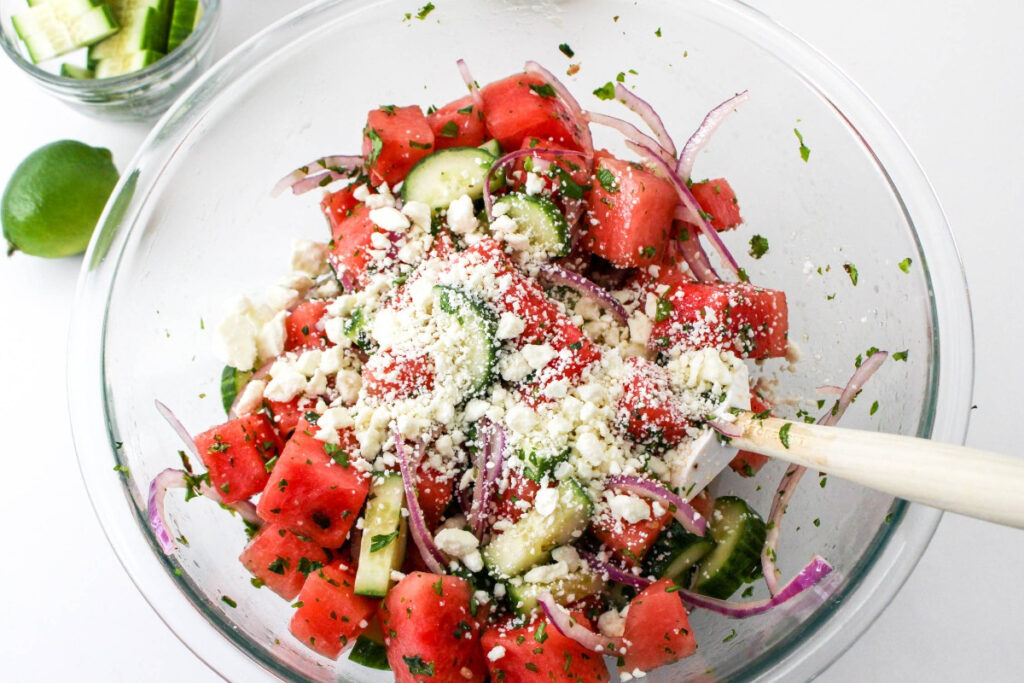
[758, 246]
[468, 109]
[438, 586]
[732, 634]
[540, 635]
[388, 109]
[420, 145]
[784, 434]
[425, 10]
[381, 541]
[417, 667]
[376, 145]
[228, 601]
[606, 91]
[905, 264]
[566, 50]
[658, 32]
[805, 151]
[664, 310]
[607, 180]
[901, 355]
[851, 270]
[544, 90]
[874, 408]
[450, 129]
[123, 470]
[816, 522]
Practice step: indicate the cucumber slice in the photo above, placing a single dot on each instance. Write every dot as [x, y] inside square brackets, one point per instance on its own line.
[478, 344]
[442, 177]
[46, 35]
[382, 548]
[565, 590]
[370, 649]
[232, 381]
[144, 26]
[539, 219]
[528, 541]
[109, 67]
[675, 553]
[72, 71]
[186, 16]
[492, 146]
[739, 533]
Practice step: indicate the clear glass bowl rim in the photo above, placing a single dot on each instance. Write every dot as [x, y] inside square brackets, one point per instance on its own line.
[823, 638]
[81, 87]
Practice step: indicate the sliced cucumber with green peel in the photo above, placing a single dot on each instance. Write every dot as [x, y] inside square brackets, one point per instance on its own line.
[675, 553]
[382, 548]
[49, 33]
[478, 339]
[540, 220]
[565, 590]
[232, 381]
[370, 649]
[144, 26]
[186, 16]
[492, 146]
[442, 177]
[72, 71]
[110, 67]
[739, 534]
[528, 541]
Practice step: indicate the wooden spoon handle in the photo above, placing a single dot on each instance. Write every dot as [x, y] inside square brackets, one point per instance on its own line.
[965, 480]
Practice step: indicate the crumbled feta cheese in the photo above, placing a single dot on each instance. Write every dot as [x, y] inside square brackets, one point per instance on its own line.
[455, 542]
[317, 384]
[251, 398]
[418, 213]
[281, 298]
[496, 653]
[567, 554]
[235, 342]
[546, 501]
[475, 409]
[611, 624]
[521, 418]
[461, 216]
[309, 362]
[286, 383]
[546, 573]
[510, 326]
[538, 355]
[534, 183]
[514, 367]
[390, 219]
[309, 257]
[271, 337]
[474, 561]
[640, 328]
[629, 508]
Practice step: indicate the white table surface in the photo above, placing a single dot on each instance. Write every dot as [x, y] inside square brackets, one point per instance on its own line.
[949, 77]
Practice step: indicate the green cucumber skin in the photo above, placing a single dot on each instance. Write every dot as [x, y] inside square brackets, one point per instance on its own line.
[185, 18]
[232, 381]
[426, 181]
[675, 553]
[545, 225]
[465, 307]
[739, 533]
[370, 653]
[523, 598]
[383, 517]
[493, 147]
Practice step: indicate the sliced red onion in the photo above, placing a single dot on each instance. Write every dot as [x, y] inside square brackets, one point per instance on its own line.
[575, 110]
[699, 140]
[178, 427]
[343, 165]
[691, 520]
[474, 88]
[794, 473]
[489, 460]
[689, 203]
[695, 256]
[829, 389]
[432, 556]
[558, 275]
[512, 156]
[645, 111]
[570, 628]
[729, 429]
[809, 576]
[319, 180]
[614, 573]
[629, 131]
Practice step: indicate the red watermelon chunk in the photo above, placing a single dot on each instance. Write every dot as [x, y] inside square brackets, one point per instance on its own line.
[434, 493]
[650, 411]
[338, 206]
[747, 320]
[629, 541]
[629, 213]
[394, 139]
[538, 652]
[330, 615]
[236, 455]
[303, 328]
[576, 354]
[311, 492]
[351, 242]
[748, 463]
[657, 630]
[717, 199]
[286, 414]
[392, 375]
[432, 631]
[519, 488]
[523, 106]
[282, 560]
[457, 124]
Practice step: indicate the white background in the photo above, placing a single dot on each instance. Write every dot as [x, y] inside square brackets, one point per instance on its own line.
[949, 77]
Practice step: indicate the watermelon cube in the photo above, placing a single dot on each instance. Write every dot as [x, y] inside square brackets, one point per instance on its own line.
[523, 106]
[657, 630]
[394, 139]
[717, 199]
[282, 560]
[236, 453]
[457, 124]
[651, 413]
[330, 615]
[539, 652]
[302, 326]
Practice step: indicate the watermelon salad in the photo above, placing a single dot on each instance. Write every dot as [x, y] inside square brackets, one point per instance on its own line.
[471, 433]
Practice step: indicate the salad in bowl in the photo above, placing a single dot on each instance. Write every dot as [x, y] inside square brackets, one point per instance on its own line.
[471, 431]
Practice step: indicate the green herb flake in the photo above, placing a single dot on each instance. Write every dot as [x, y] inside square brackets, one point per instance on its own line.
[376, 145]
[816, 522]
[851, 270]
[417, 667]
[123, 470]
[732, 634]
[784, 434]
[805, 151]
[438, 587]
[388, 109]
[901, 355]
[824, 480]
[758, 246]
[541, 634]
[544, 90]
[658, 32]
[607, 180]
[381, 541]
[905, 264]
[606, 91]
[465, 110]
[450, 130]
[420, 145]
[425, 11]
[566, 50]
[874, 408]
[742, 274]
[664, 310]
[228, 601]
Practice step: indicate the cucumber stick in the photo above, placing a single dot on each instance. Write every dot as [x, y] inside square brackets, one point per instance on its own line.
[184, 20]
[565, 590]
[528, 541]
[144, 26]
[232, 381]
[72, 71]
[51, 31]
[382, 548]
[370, 649]
[120, 65]
[739, 534]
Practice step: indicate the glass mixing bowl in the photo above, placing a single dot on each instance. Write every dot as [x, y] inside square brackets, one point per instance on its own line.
[193, 224]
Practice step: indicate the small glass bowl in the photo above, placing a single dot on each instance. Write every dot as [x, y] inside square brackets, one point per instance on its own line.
[137, 96]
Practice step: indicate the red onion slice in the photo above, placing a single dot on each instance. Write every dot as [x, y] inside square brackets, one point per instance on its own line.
[724, 428]
[431, 555]
[829, 389]
[575, 110]
[489, 460]
[695, 256]
[645, 111]
[691, 520]
[570, 628]
[614, 573]
[699, 140]
[344, 166]
[689, 203]
[558, 275]
[794, 473]
[629, 131]
[816, 570]
[474, 88]
[512, 156]
[178, 427]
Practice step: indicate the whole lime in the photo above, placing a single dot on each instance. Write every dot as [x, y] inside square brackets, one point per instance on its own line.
[55, 197]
